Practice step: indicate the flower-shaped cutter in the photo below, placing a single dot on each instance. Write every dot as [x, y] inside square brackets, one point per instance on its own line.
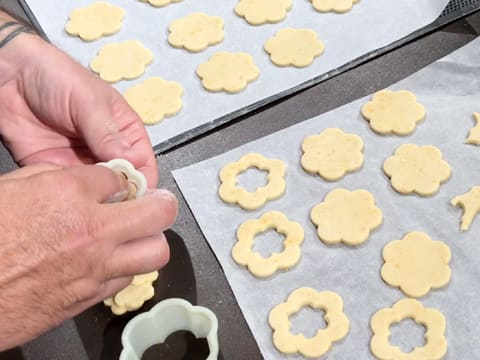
[165, 318]
[133, 176]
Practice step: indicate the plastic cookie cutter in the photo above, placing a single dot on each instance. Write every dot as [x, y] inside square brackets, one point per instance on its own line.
[165, 318]
[136, 180]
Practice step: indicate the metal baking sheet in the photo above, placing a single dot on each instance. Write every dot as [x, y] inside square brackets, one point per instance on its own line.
[450, 91]
[371, 25]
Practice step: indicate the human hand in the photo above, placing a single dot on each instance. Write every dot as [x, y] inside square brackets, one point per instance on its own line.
[54, 110]
[61, 252]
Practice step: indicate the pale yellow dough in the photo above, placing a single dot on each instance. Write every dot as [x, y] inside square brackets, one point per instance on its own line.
[160, 3]
[417, 169]
[94, 21]
[332, 153]
[154, 99]
[337, 322]
[435, 342]
[474, 133]
[195, 32]
[393, 112]
[117, 61]
[346, 216]
[275, 187]
[230, 72]
[338, 6]
[259, 266]
[134, 295]
[416, 264]
[258, 12]
[296, 47]
[470, 202]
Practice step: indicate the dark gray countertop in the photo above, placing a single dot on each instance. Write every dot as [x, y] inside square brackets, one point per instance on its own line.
[194, 272]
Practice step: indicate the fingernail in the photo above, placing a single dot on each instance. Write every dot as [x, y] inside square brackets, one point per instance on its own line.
[117, 197]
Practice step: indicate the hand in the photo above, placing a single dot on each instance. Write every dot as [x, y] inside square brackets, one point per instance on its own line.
[54, 110]
[62, 251]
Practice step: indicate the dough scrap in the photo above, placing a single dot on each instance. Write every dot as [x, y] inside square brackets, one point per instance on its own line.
[338, 6]
[470, 202]
[154, 99]
[195, 32]
[332, 153]
[337, 322]
[160, 3]
[259, 266]
[275, 187]
[435, 342]
[297, 47]
[134, 295]
[117, 61]
[417, 169]
[474, 133]
[393, 112]
[346, 216]
[230, 72]
[257, 12]
[416, 264]
[94, 21]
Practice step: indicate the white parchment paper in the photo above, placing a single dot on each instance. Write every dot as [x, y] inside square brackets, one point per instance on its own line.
[450, 91]
[370, 25]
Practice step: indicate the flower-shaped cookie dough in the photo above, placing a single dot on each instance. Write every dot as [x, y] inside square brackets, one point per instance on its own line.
[337, 323]
[416, 169]
[474, 133]
[275, 187]
[160, 3]
[393, 112]
[117, 61]
[297, 47]
[230, 72]
[338, 6]
[258, 12]
[332, 153]
[134, 295]
[416, 264]
[195, 32]
[435, 342]
[242, 251]
[470, 202]
[154, 99]
[346, 216]
[94, 21]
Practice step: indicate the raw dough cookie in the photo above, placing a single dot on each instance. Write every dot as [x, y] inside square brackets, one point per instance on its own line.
[332, 153]
[159, 3]
[337, 323]
[338, 6]
[117, 61]
[226, 71]
[242, 251]
[94, 21]
[435, 342]
[297, 47]
[393, 112]
[195, 32]
[230, 193]
[154, 99]
[346, 216]
[417, 169]
[258, 12]
[470, 202]
[134, 295]
[474, 134]
[416, 264]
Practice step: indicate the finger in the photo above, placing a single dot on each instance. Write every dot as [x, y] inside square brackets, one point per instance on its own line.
[147, 216]
[29, 171]
[100, 182]
[139, 256]
[61, 156]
